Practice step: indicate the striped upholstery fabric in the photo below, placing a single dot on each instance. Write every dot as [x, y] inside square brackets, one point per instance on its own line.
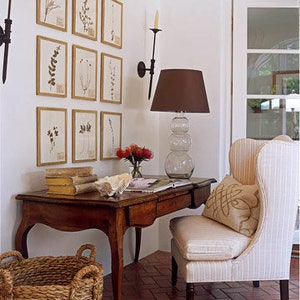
[277, 175]
[242, 158]
[274, 167]
[209, 240]
[202, 270]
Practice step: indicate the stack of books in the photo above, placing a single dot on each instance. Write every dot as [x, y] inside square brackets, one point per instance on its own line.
[70, 181]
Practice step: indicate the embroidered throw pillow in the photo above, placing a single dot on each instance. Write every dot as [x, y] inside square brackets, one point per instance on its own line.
[234, 205]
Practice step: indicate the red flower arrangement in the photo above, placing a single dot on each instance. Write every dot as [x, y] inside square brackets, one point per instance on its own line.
[135, 154]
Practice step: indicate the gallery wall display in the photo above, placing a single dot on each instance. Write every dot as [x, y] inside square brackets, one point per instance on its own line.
[84, 135]
[53, 70]
[111, 134]
[51, 136]
[84, 73]
[112, 23]
[85, 18]
[111, 78]
[52, 13]
[51, 67]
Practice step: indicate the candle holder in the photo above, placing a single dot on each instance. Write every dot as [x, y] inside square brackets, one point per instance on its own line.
[5, 39]
[141, 68]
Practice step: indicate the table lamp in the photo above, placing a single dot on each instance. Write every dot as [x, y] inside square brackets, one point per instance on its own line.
[181, 91]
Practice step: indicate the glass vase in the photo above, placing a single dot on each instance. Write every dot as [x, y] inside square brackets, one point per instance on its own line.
[136, 171]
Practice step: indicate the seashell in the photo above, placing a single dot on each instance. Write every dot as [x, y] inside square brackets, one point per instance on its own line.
[112, 185]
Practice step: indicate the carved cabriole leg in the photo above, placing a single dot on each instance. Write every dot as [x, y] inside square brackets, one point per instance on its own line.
[21, 238]
[115, 236]
[190, 291]
[284, 289]
[256, 283]
[174, 271]
[138, 237]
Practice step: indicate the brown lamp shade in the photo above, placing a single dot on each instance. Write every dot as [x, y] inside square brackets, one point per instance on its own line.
[180, 90]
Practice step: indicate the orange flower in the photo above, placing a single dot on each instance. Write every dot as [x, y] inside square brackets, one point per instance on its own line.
[148, 154]
[134, 153]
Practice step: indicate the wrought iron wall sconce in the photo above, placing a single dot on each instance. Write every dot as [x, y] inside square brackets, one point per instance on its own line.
[141, 68]
[5, 39]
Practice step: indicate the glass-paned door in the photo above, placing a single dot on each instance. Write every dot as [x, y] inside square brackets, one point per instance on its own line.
[266, 100]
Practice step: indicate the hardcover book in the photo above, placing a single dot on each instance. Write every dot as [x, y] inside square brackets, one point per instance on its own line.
[71, 180]
[64, 172]
[72, 189]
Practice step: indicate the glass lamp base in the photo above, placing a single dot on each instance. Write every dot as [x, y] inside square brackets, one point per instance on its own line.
[179, 164]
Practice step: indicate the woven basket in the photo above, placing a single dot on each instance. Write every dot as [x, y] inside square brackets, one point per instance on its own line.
[48, 278]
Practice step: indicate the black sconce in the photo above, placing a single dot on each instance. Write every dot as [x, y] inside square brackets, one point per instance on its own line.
[141, 68]
[5, 38]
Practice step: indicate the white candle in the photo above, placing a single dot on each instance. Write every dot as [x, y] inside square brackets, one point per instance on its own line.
[156, 20]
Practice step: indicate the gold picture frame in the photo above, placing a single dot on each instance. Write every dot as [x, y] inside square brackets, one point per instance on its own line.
[111, 78]
[84, 73]
[53, 14]
[51, 67]
[111, 134]
[112, 23]
[51, 136]
[85, 18]
[84, 135]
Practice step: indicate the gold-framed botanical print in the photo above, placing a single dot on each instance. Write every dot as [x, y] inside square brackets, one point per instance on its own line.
[51, 136]
[111, 134]
[112, 23]
[52, 13]
[111, 78]
[84, 73]
[84, 135]
[51, 67]
[85, 18]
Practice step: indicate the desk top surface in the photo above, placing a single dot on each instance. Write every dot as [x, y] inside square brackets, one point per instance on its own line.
[125, 199]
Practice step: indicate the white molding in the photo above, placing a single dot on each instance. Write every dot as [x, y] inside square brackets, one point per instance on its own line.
[225, 86]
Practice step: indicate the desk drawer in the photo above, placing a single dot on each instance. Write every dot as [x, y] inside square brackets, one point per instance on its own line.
[143, 214]
[173, 204]
[199, 196]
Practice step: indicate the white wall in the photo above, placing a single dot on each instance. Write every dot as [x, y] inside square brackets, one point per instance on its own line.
[196, 36]
[192, 37]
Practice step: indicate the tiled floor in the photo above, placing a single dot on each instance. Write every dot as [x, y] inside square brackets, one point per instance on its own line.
[150, 278]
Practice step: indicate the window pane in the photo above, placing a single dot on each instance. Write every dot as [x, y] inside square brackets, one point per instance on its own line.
[267, 118]
[273, 28]
[273, 74]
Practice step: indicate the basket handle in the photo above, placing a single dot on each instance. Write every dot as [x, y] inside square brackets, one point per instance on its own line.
[87, 247]
[11, 254]
[90, 271]
[7, 286]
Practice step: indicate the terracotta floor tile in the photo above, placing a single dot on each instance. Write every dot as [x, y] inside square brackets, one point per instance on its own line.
[150, 279]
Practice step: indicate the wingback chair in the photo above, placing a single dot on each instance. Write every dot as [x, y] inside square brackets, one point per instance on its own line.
[239, 238]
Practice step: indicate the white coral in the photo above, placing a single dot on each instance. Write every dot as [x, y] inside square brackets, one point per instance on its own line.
[110, 186]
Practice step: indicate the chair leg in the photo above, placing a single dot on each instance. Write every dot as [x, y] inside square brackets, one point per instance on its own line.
[190, 291]
[284, 289]
[174, 271]
[256, 283]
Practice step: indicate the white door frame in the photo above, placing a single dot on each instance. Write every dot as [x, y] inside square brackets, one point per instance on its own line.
[239, 55]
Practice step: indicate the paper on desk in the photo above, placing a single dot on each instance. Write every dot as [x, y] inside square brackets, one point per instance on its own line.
[141, 182]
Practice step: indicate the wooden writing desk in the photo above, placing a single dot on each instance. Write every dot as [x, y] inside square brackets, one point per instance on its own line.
[112, 215]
